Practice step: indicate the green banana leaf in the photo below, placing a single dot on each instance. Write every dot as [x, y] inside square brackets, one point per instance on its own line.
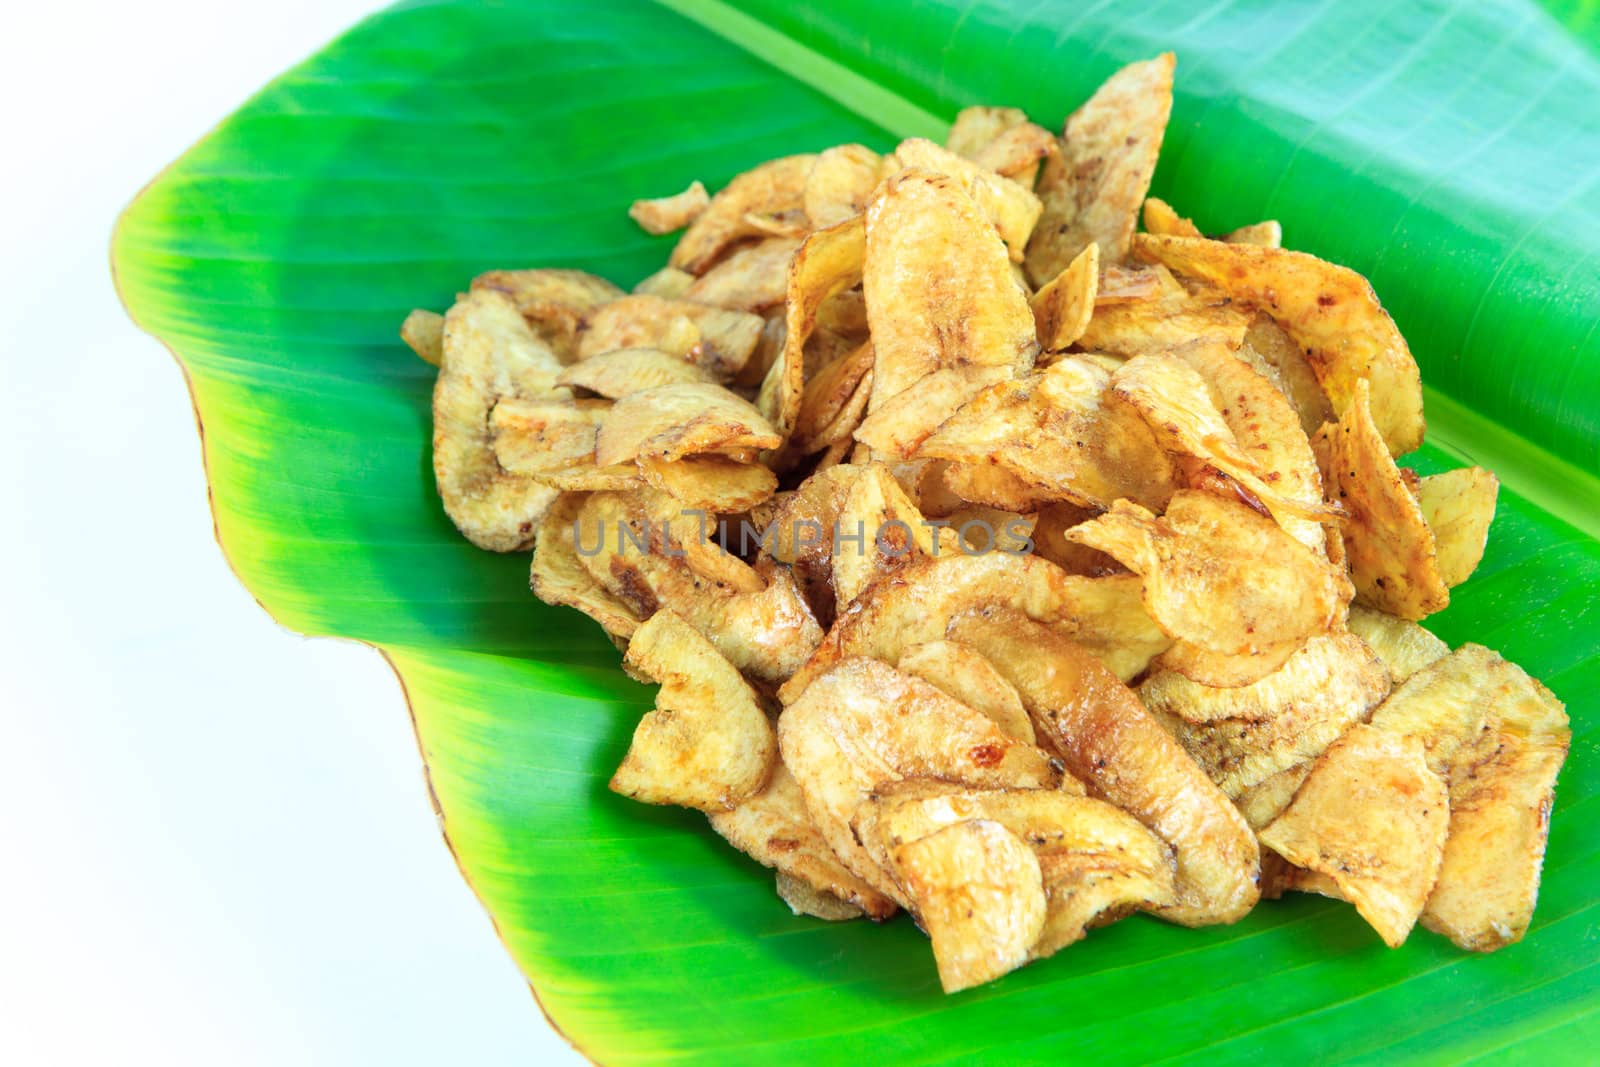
[1449, 151]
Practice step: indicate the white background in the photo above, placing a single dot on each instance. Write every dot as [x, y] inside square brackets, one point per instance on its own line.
[215, 846]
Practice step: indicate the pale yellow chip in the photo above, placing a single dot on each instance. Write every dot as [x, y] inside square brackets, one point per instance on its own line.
[1458, 507]
[1011, 209]
[841, 184]
[1063, 305]
[673, 421]
[556, 303]
[1403, 646]
[960, 671]
[829, 262]
[1051, 524]
[828, 394]
[1093, 188]
[1330, 311]
[1267, 347]
[668, 214]
[587, 478]
[754, 278]
[717, 339]
[558, 575]
[708, 743]
[1120, 285]
[545, 434]
[669, 283]
[1157, 325]
[713, 484]
[1017, 153]
[423, 331]
[878, 531]
[1161, 218]
[769, 189]
[805, 899]
[897, 427]
[975, 128]
[1372, 817]
[1267, 234]
[631, 370]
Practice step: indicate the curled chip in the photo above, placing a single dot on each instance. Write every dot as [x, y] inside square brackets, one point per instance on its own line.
[717, 339]
[897, 427]
[1458, 507]
[1393, 556]
[1267, 348]
[840, 184]
[490, 353]
[545, 434]
[714, 484]
[708, 744]
[1063, 306]
[667, 214]
[673, 421]
[963, 673]
[423, 331]
[976, 128]
[630, 370]
[1011, 209]
[752, 279]
[829, 262]
[1219, 575]
[558, 575]
[1372, 817]
[556, 303]
[770, 189]
[1084, 713]
[1403, 646]
[1331, 312]
[1093, 188]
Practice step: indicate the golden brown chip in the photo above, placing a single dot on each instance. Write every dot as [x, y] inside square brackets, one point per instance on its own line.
[1392, 553]
[878, 531]
[975, 128]
[829, 394]
[1093, 188]
[629, 370]
[669, 283]
[841, 184]
[558, 575]
[803, 899]
[544, 434]
[774, 829]
[1330, 311]
[960, 671]
[1224, 670]
[978, 892]
[1267, 346]
[708, 744]
[1219, 575]
[1063, 305]
[490, 354]
[1011, 209]
[960, 485]
[1049, 541]
[1458, 506]
[1107, 739]
[1403, 646]
[714, 484]
[424, 332]
[1267, 234]
[896, 427]
[556, 303]
[673, 421]
[1160, 218]
[752, 279]
[1265, 801]
[717, 339]
[939, 288]
[1054, 431]
[587, 478]
[1017, 153]
[772, 188]
[1162, 323]
[1372, 817]
[667, 214]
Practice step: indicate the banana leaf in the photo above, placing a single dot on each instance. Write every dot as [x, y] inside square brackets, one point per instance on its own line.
[1449, 151]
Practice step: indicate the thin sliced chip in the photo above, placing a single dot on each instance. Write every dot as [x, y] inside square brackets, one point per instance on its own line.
[630, 370]
[987, 485]
[804, 899]
[1219, 575]
[1372, 817]
[708, 744]
[1330, 311]
[717, 339]
[423, 331]
[1403, 646]
[673, 421]
[960, 671]
[713, 484]
[791, 224]
[1392, 553]
[1055, 431]
[1161, 218]
[587, 478]
[1267, 234]
[546, 433]
[1049, 541]
[1063, 305]
[775, 829]
[669, 283]
[558, 575]
[829, 262]
[975, 128]
[978, 892]
[1107, 739]
[668, 214]
[1224, 670]
[877, 532]
[772, 188]
[1458, 507]
[490, 353]
[1017, 153]
[1011, 209]
[826, 396]
[1266, 342]
[1265, 801]
[754, 278]
[556, 303]
[939, 289]
[1093, 188]
[841, 184]
[1119, 285]
[896, 428]
[1160, 324]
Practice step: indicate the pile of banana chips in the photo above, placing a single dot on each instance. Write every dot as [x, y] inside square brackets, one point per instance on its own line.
[1004, 561]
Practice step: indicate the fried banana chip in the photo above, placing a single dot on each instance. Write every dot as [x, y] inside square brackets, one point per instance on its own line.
[1499, 739]
[1219, 575]
[1372, 817]
[1403, 646]
[717, 339]
[1267, 346]
[587, 478]
[975, 128]
[878, 531]
[827, 263]
[939, 288]
[544, 434]
[1245, 735]
[1265, 801]
[1018, 152]
[772, 188]
[1093, 188]
[423, 331]
[1055, 432]
[1330, 311]
[959, 670]
[774, 828]
[841, 184]
[804, 899]
[558, 575]
[1391, 550]
[1160, 324]
[827, 396]
[1223, 670]
[986, 485]
[669, 283]
[1050, 526]
[1267, 234]
[863, 724]
[490, 354]
[668, 214]
[1161, 218]
[674, 421]
[631, 370]
[754, 278]
[895, 428]
[556, 303]
[1063, 306]
[708, 744]
[1106, 738]
[977, 890]
[713, 484]
[1458, 507]
[1121, 285]
[1011, 209]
